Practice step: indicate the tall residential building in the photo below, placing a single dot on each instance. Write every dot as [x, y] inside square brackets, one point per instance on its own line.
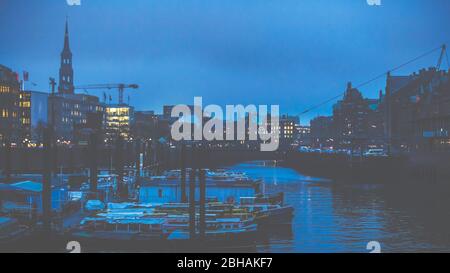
[66, 70]
[9, 105]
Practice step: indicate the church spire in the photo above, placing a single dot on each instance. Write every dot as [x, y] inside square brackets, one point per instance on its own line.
[66, 70]
[66, 35]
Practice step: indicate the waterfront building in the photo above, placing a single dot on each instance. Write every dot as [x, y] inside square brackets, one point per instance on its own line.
[25, 116]
[321, 131]
[33, 114]
[288, 131]
[419, 115]
[70, 111]
[303, 135]
[118, 121]
[351, 119]
[9, 105]
[375, 119]
[145, 125]
[94, 123]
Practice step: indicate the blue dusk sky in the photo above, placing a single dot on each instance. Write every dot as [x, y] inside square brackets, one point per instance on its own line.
[295, 53]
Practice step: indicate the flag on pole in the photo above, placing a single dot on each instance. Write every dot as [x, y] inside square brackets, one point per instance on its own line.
[25, 76]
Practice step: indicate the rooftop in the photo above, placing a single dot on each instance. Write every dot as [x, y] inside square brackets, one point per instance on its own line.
[6, 187]
[6, 220]
[28, 186]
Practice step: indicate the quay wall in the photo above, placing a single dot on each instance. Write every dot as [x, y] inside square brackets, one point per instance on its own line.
[422, 167]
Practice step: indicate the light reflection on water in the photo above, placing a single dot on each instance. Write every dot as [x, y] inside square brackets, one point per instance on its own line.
[334, 216]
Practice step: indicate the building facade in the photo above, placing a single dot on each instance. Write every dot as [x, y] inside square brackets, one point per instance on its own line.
[303, 135]
[288, 132]
[145, 125]
[9, 105]
[352, 120]
[67, 112]
[417, 111]
[33, 115]
[118, 121]
[25, 116]
[321, 132]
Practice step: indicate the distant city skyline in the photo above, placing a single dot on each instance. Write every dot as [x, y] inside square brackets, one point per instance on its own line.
[295, 54]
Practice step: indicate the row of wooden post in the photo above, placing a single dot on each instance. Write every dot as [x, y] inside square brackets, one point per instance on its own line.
[194, 173]
[49, 158]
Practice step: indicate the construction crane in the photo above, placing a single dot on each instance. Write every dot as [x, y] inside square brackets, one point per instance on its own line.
[441, 57]
[119, 86]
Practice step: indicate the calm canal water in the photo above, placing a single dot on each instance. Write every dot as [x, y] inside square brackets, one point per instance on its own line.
[332, 216]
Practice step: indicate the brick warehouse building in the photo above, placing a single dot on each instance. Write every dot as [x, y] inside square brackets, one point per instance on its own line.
[420, 111]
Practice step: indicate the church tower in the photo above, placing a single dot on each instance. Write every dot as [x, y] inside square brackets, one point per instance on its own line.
[66, 70]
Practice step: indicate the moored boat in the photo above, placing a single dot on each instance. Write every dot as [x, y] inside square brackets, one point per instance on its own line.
[160, 228]
[222, 234]
[268, 210]
[11, 232]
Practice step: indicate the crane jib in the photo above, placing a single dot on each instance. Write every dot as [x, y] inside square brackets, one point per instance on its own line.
[120, 87]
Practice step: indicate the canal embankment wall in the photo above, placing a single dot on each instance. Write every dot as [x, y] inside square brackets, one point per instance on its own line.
[412, 167]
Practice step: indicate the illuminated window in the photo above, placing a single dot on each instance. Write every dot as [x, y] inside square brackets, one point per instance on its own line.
[5, 113]
[4, 89]
[25, 104]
